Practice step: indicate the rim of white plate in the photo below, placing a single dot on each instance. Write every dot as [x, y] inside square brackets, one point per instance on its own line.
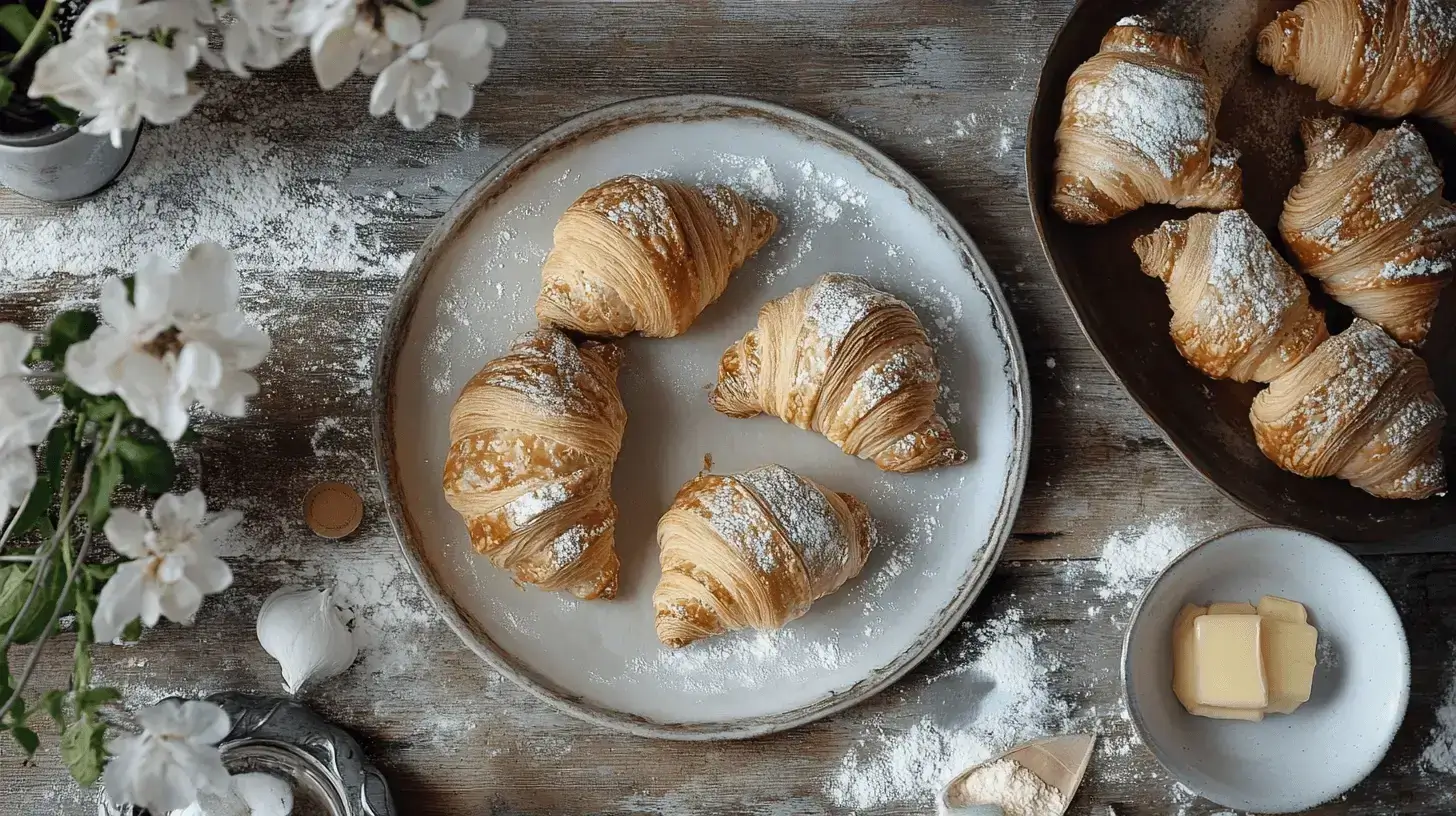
[596, 124]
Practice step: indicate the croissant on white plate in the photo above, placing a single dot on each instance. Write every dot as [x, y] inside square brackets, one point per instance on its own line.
[1362, 408]
[648, 255]
[849, 361]
[1138, 128]
[1389, 58]
[533, 438]
[753, 550]
[1368, 221]
[1240, 312]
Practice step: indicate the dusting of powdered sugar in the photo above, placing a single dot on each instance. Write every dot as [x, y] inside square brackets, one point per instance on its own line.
[1160, 112]
[546, 368]
[1132, 557]
[999, 693]
[1432, 28]
[1249, 286]
[806, 518]
[738, 660]
[1401, 174]
[739, 521]
[1440, 752]
[837, 303]
[525, 508]
[1364, 358]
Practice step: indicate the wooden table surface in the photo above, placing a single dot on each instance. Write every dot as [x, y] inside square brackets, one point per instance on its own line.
[942, 87]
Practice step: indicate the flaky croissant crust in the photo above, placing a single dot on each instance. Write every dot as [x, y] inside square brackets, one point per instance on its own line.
[1137, 127]
[753, 550]
[648, 255]
[533, 438]
[846, 360]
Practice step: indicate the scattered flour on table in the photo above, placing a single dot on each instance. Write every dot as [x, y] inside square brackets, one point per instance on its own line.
[1440, 752]
[1134, 556]
[998, 695]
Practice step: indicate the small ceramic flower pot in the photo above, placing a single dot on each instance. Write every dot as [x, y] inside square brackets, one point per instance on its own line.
[61, 163]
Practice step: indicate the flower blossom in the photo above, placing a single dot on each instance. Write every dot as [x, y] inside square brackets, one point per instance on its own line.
[174, 761]
[24, 419]
[437, 71]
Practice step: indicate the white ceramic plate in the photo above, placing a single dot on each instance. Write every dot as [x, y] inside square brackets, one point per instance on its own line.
[1290, 762]
[843, 207]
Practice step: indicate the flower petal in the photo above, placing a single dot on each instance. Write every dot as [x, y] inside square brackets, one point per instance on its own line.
[206, 723]
[209, 574]
[120, 602]
[207, 282]
[126, 530]
[89, 363]
[388, 86]
[177, 516]
[442, 13]
[180, 601]
[15, 343]
[456, 98]
[336, 54]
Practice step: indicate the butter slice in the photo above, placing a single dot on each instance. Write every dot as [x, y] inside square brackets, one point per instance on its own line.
[1185, 655]
[1273, 606]
[1226, 608]
[1229, 661]
[1289, 659]
[1217, 713]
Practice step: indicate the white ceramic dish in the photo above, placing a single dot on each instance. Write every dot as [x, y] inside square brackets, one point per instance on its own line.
[1286, 763]
[843, 207]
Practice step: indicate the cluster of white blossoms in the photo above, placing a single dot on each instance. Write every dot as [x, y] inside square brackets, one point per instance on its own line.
[129, 60]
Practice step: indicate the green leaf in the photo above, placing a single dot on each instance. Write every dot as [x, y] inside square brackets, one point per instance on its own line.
[63, 114]
[13, 593]
[58, 445]
[132, 632]
[27, 739]
[147, 462]
[97, 504]
[100, 573]
[103, 410]
[92, 699]
[7, 87]
[17, 21]
[83, 749]
[67, 329]
[36, 507]
[33, 623]
[53, 703]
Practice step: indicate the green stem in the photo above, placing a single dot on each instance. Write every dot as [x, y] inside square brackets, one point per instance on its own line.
[42, 25]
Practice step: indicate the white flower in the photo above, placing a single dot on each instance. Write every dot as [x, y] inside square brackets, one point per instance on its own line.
[349, 35]
[174, 564]
[251, 794]
[435, 74]
[173, 761]
[259, 36]
[179, 338]
[108, 71]
[24, 419]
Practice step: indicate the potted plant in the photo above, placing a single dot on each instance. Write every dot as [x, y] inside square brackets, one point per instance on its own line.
[77, 78]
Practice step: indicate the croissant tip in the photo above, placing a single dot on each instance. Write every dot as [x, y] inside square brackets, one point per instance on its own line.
[1278, 41]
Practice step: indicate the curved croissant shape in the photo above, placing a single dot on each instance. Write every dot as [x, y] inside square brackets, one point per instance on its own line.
[1138, 128]
[1361, 408]
[1368, 220]
[1239, 311]
[533, 438]
[648, 255]
[849, 361]
[1389, 58]
[753, 550]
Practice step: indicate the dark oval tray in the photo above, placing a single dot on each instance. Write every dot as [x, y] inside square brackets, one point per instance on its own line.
[1125, 314]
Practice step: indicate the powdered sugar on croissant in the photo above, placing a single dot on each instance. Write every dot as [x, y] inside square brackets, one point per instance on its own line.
[849, 361]
[1368, 220]
[1240, 312]
[1137, 128]
[533, 438]
[648, 255]
[753, 550]
[1362, 408]
[1390, 58]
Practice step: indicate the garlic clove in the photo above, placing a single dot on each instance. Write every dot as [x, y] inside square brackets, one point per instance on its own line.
[301, 629]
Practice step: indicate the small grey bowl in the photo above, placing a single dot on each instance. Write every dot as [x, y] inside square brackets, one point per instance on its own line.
[1288, 762]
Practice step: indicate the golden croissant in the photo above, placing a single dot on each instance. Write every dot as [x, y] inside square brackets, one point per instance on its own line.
[1240, 312]
[1388, 58]
[533, 438]
[1367, 219]
[648, 255]
[753, 550]
[1138, 128]
[849, 361]
[1362, 408]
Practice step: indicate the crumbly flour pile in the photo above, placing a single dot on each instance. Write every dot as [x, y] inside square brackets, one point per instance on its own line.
[1013, 786]
[998, 695]
[1134, 556]
[1440, 753]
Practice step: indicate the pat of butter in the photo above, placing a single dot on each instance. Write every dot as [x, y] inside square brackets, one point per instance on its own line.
[1230, 609]
[1217, 713]
[1185, 656]
[1273, 606]
[1289, 658]
[1229, 661]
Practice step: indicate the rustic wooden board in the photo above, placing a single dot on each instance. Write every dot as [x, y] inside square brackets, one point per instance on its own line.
[944, 88]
